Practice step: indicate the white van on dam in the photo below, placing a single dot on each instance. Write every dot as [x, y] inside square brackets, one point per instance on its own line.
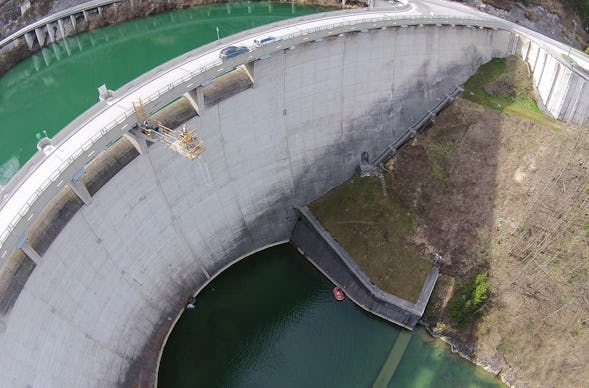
[265, 41]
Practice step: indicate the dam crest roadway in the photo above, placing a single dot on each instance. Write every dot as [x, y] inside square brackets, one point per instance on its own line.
[155, 230]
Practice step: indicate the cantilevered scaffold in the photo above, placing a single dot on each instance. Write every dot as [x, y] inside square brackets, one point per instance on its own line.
[183, 141]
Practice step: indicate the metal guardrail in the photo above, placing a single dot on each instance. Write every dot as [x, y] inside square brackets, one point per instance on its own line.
[353, 25]
[289, 39]
[417, 126]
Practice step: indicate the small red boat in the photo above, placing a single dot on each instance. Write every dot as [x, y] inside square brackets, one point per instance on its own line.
[338, 293]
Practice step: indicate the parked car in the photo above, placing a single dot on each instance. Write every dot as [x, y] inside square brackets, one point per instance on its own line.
[232, 52]
[265, 41]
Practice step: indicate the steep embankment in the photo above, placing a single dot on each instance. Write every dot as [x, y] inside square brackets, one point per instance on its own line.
[501, 192]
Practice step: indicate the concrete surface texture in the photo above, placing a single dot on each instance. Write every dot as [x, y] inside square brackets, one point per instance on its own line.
[123, 264]
[562, 90]
[94, 308]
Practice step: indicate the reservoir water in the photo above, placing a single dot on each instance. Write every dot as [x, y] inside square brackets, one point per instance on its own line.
[271, 321]
[268, 321]
[50, 89]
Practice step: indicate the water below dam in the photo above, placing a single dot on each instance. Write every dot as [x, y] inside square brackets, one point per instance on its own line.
[269, 320]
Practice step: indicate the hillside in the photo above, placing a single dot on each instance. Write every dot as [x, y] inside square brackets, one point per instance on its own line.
[502, 192]
[564, 20]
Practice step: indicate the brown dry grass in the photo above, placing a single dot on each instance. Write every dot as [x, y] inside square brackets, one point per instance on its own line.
[498, 191]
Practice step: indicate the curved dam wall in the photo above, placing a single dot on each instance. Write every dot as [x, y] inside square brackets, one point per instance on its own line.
[110, 276]
[123, 266]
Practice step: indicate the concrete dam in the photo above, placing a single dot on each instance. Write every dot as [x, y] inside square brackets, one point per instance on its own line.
[104, 239]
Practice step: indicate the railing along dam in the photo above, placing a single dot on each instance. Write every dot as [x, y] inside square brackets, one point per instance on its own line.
[116, 242]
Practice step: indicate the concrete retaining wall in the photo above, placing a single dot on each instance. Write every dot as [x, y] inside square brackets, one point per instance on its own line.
[337, 265]
[121, 269]
[562, 88]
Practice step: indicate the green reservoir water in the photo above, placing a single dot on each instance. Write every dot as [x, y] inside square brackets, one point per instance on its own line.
[50, 89]
[270, 320]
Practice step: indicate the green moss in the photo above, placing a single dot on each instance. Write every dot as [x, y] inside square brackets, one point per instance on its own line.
[522, 103]
[467, 305]
[474, 88]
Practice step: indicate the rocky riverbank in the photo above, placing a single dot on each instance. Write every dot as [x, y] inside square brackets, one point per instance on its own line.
[491, 363]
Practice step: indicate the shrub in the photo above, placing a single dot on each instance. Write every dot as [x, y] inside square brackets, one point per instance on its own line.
[469, 301]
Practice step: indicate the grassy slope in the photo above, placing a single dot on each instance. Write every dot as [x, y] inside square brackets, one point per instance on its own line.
[377, 232]
[496, 187]
[507, 192]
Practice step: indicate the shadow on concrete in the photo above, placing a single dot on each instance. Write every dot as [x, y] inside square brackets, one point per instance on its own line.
[226, 86]
[175, 114]
[15, 274]
[99, 171]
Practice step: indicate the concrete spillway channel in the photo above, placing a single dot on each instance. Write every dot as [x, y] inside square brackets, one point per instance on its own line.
[141, 228]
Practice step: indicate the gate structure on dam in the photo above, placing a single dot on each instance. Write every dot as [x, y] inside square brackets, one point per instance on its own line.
[115, 235]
